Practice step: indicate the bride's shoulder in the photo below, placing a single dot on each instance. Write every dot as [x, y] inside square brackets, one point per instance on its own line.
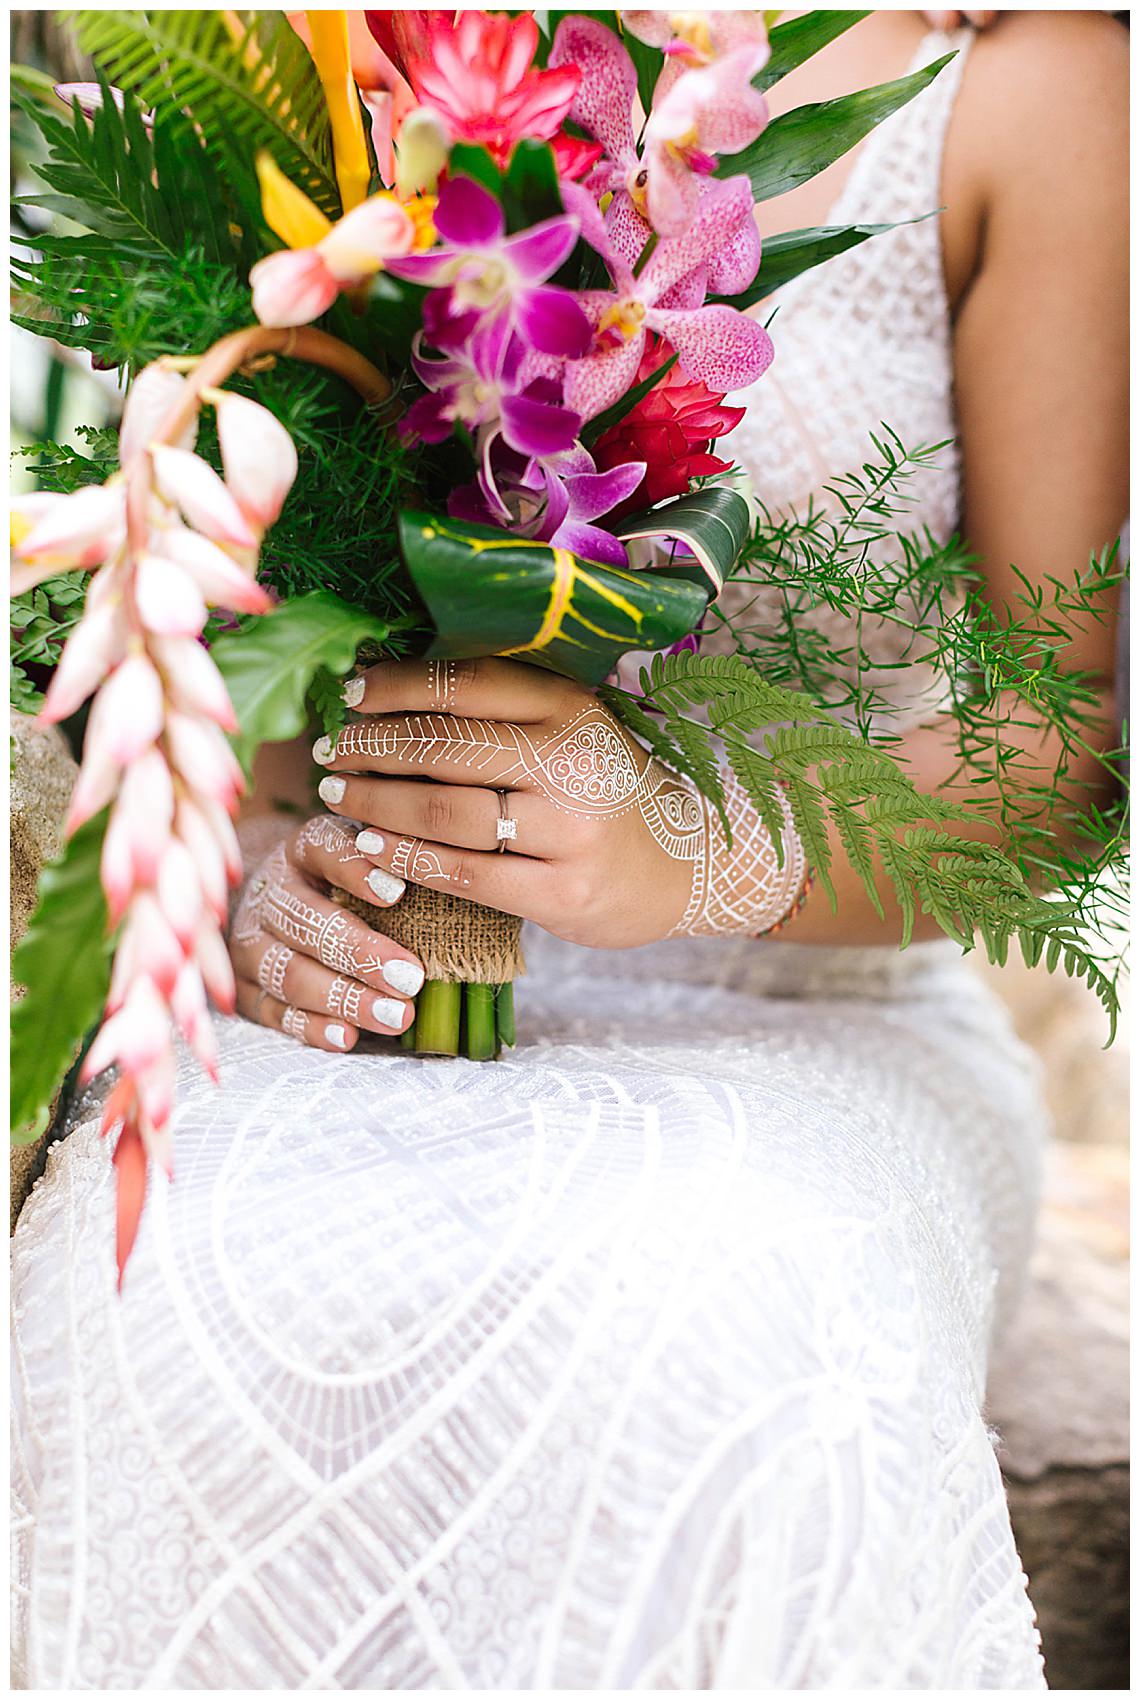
[1044, 86]
[1038, 138]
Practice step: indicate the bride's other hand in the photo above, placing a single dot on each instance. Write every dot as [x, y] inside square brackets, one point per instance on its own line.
[304, 964]
[452, 763]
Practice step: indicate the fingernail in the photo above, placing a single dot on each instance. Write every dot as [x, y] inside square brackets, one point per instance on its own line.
[324, 751]
[353, 693]
[386, 886]
[407, 977]
[336, 1035]
[370, 842]
[388, 1012]
[331, 790]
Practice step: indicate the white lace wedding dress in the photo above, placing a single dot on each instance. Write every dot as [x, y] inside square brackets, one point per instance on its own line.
[653, 1356]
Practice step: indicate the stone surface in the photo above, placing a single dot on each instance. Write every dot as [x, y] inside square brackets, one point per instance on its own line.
[42, 778]
[1058, 1398]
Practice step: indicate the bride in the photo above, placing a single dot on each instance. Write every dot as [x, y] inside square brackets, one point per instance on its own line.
[655, 1355]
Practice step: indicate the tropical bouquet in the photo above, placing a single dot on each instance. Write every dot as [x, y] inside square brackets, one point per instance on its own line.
[530, 244]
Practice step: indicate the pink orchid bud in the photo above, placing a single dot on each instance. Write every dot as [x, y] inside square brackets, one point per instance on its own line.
[167, 598]
[153, 395]
[134, 1037]
[206, 853]
[78, 530]
[157, 952]
[214, 964]
[225, 837]
[258, 455]
[138, 830]
[358, 244]
[292, 287]
[218, 576]
[205, 761]
[188, 1003]
[118, 1105]
[128, 711]
[95, 646]
[186, 481]
[193, 682]
[156, 1096]
[180, 895]
[98, 781]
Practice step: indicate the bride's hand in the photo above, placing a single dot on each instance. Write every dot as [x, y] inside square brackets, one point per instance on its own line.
[304, 964]
[451, 762]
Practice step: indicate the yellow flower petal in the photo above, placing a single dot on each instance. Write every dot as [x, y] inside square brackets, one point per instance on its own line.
[330, 50]
[289, 213]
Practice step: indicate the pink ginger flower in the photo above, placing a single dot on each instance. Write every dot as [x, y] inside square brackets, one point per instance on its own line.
[169, 538]
[717, 345]
[704, 104]
[476, 71]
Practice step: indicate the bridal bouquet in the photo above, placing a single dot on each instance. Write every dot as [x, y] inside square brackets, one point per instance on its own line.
[529, 240]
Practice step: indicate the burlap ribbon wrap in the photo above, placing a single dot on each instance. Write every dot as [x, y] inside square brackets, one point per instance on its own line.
[454, 939]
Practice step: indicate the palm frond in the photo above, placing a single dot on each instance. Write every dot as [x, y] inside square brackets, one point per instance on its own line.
[246, 79]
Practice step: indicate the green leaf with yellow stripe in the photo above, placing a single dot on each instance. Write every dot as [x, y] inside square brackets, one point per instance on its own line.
[489, 593]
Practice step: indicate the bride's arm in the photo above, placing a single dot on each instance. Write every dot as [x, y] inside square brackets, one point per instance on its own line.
[1038, 152]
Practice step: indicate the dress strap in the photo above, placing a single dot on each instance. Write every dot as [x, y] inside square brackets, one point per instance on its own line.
[900, 163]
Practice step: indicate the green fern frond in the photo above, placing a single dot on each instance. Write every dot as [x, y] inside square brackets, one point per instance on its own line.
[255, 88]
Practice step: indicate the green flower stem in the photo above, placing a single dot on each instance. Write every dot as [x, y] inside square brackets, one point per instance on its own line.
[480, 1043]
[437, 1018]
[505, 1012]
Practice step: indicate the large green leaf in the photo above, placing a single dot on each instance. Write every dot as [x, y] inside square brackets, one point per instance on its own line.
[796, 251]
[800, 144]
[794, 42]
[489, 593]
[64, 960]
[714, 523]
[269, 664]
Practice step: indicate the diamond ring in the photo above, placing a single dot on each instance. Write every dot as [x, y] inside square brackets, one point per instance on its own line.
[506, 827]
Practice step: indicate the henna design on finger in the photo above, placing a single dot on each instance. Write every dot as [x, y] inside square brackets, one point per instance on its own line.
[441, 678]
[327, 938]
[328, 834]
[271, 969]
[294, 1022]
[344, 999]
[412, 860]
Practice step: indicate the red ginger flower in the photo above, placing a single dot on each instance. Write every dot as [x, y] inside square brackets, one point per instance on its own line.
[671, 429]
[477, 73]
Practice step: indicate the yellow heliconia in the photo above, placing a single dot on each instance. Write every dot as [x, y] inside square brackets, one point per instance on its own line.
[289, 213]
[330, 50]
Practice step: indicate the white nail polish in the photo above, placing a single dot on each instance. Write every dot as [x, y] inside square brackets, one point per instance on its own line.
[353, 693]
[407, 977]
[336, 1035]
[324, 751]
[388, 1012]
[386, 886]
[370, 842]
[331, 790]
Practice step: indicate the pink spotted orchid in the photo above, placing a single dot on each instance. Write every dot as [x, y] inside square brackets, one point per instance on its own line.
[717, 345]
[704, 104]
[168, 538]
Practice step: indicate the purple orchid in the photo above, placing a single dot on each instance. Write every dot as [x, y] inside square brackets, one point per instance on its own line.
[553, 498]
[717, 345]
[704, 105]
[483, 382]
[483, 274]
